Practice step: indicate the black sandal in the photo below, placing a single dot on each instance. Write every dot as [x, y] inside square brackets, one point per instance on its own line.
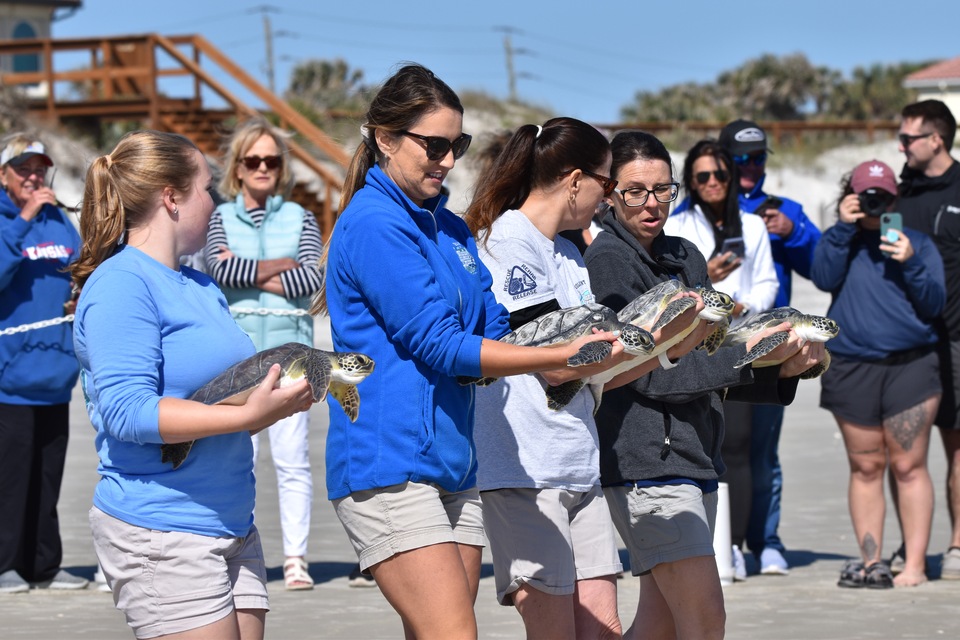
[852, 575]
[878, 576]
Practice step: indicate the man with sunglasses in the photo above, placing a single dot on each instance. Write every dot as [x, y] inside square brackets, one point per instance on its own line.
[930, 202]
[793, 238]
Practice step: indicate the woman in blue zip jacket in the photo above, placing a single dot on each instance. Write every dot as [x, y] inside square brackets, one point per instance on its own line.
[404, 285]
[38, 368]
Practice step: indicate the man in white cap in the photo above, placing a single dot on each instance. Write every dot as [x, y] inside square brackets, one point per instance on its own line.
[930, 202]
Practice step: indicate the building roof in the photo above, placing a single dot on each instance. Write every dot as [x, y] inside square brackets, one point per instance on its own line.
[942, 75]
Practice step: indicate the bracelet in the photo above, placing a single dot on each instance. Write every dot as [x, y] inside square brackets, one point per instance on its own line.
[665, 361]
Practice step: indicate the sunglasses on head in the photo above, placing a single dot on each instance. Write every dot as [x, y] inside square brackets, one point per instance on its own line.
[437, 148]
[746, 158]
[252, 163]
[607, 184]
[703, 177]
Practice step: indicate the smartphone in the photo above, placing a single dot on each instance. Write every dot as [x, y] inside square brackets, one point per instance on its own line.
[888, 222]
[772, 202]
[735, 246]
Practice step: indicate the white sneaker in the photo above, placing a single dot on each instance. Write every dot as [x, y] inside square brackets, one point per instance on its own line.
[772, 563]
[739, 565]
[101, 581]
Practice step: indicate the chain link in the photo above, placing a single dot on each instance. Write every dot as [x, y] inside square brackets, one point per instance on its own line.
[241, 311]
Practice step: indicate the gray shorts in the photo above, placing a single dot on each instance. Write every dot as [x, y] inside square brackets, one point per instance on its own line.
[386, 521]
[663, 523]
[168, 582]
[548, 539]
[948, 415]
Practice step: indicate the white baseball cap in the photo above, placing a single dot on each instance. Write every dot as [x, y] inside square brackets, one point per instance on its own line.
[35, 148]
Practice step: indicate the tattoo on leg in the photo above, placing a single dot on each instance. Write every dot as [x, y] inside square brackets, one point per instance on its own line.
[869, 547]
[906, 426]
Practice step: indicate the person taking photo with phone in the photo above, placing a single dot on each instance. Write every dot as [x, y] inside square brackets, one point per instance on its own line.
[883, 385]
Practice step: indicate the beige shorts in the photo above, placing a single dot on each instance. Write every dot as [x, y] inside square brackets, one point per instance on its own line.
[548, 539]
[663, 523]
[386, 521]
[168, 582]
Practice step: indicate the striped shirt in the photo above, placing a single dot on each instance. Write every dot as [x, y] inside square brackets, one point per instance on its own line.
[240, 273]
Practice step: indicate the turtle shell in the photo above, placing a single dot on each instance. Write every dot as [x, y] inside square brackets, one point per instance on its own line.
[564, 325]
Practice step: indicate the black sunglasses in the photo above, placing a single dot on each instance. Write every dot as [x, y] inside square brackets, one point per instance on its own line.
[703, 177]
[252, 163]
[607, 184]
[438, 148]
[746, 158]
[906, 139]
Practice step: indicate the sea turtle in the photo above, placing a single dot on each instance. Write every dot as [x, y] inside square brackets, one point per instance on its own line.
[566, 325]
[336, 372]
[656, 309]
[809, 327]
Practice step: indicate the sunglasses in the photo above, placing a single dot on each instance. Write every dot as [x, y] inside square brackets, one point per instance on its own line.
[745, 158]
[252, 163]
[25, 171]
[906, 139]
[607, 184]
[703, 177]
[438, 148]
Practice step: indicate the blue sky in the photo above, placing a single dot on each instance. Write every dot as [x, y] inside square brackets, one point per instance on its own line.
[582, 59]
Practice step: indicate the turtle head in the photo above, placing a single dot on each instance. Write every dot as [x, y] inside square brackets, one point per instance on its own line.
[817, 328]
[352, 367]
[717, 304]
[636, 340]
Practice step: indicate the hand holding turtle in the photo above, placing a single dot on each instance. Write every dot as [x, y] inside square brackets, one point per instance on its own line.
[901, 250]
[787, 349]
[556, 377]
[270, 402]
[810, 355]
[850, 210]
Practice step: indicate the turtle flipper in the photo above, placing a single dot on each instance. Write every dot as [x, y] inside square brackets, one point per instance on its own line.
[560, 396]
[713, 341]
[818, 369]
[673, 309]
[175, 453]
[590, 353]
[762, 348]
[348, 397]
[597, 391]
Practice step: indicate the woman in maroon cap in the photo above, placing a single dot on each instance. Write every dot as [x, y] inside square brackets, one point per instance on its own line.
[883, 386]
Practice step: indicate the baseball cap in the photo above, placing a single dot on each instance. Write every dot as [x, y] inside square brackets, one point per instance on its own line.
[743, 136]
[873, 174]
[34, 148]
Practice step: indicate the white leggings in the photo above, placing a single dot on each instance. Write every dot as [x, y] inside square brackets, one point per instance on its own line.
[291, 457]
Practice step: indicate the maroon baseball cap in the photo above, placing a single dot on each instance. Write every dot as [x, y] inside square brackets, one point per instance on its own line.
[873, 175]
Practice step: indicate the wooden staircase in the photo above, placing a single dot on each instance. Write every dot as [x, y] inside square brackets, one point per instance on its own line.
[126, 81]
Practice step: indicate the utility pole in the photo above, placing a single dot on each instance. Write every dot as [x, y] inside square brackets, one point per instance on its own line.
[511, 75]
[268, 38]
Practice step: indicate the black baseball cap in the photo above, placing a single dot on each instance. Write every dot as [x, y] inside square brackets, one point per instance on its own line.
[743, 136]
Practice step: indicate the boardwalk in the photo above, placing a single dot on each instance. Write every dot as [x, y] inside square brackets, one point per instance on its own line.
[806, 604]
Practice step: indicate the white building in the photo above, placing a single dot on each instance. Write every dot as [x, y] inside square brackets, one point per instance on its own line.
[940, 81]
[26, 20]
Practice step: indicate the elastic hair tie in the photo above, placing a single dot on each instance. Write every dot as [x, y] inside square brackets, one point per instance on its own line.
[539, 131]
[109, 161]
[368, 141]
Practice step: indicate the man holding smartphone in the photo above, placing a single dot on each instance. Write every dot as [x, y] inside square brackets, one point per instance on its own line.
[930, 202]
[793, 238]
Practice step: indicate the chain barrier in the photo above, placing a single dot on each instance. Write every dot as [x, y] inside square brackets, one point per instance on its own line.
[237, 311]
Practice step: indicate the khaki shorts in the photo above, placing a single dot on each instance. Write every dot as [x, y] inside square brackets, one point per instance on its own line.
[548, 539]
[168, 582]
[663, 523]
[386, 521]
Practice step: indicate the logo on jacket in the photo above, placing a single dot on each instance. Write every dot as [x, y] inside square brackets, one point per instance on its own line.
[520, 282]
[465, 258]
[48, 251]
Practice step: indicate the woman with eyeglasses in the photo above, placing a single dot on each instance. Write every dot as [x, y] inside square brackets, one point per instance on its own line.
[404, 285]
[883, 387]
[660, 435]
[553, 545]
[38, 368]
[263, 250]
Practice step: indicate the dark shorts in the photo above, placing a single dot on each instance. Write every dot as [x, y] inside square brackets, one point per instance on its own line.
[948, 417]
[867, 393]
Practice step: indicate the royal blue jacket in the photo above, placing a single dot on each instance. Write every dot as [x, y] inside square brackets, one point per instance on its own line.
[37, 367]
[405, 286]
[882, 306]
[793, 253]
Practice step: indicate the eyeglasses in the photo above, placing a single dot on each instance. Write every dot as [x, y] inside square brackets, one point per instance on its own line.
[745, 158]
[438, 148]
[26, 172]
[637, 197]
[703, 177]
[252, 163]
[608, 184]
[906, 139]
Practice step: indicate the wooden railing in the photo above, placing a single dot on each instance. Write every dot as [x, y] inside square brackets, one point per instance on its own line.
[121, 81]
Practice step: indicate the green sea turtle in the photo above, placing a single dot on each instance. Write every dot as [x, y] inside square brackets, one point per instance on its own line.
[332, 371]
[809, 327]
[566, 325]
[656, 309]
